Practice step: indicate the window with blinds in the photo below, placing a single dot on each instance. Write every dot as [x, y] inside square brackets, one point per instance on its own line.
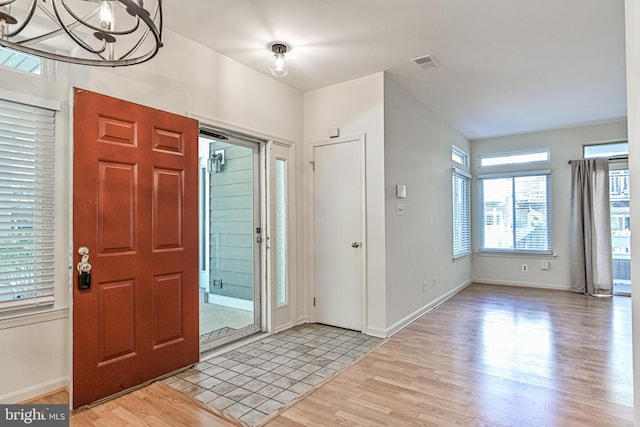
[515, 212]
[461, 213]
[26, 206]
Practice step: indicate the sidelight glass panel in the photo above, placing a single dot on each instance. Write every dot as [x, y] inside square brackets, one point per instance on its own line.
[281, 231]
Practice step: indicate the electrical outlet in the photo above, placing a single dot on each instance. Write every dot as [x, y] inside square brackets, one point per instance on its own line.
[525, 267]
[434, 281]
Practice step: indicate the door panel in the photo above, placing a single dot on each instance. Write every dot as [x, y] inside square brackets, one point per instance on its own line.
[116, 320]
[339, 246]
[116, 216]
[135, 209]
[167, 309]
[167, 209]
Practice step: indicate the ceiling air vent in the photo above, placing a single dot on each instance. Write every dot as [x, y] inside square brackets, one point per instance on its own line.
[426, 62]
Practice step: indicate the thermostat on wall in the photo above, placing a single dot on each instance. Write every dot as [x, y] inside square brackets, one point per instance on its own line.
[401, 191]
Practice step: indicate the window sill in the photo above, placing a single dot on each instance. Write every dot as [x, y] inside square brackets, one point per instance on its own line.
[33, 318]
[497, 254]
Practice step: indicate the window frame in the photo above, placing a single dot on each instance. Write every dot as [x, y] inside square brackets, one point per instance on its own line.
[549, 214]
[461, 154]
[28, 139]
[45, 68]
[514, 154]
[461, 238]
[610, 156]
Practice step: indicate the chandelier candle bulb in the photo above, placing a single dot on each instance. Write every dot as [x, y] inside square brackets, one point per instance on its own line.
[106, 16]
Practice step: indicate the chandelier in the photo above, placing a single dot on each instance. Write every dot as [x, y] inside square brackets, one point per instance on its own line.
[89, 32]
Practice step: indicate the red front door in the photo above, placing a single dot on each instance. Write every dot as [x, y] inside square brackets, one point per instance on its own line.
[135, 209]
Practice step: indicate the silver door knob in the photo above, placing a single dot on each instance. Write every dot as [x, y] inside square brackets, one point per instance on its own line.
[355, 245]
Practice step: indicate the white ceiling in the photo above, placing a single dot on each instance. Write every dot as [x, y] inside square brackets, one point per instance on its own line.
[506, 66]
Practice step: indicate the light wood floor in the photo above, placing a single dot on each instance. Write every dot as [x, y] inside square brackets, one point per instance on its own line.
[491, 356]
[156, 405]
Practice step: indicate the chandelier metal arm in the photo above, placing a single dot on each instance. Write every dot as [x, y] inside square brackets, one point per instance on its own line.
[137, 45]
[102, 30]
[32, 9]
[146, 34]
[146, 17]
[75, 38]
[54, 33]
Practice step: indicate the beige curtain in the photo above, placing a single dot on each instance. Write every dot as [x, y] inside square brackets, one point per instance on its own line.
[590, 234]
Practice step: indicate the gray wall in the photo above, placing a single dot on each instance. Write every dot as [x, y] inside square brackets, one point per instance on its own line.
[231, 223]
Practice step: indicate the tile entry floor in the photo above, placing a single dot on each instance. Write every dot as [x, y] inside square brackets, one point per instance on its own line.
[260, 378]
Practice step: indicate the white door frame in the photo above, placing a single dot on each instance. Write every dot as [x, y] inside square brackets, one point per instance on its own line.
[283, 316]
[268, 309]
[363, 231]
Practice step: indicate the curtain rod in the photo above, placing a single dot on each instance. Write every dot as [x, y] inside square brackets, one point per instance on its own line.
[611, 159]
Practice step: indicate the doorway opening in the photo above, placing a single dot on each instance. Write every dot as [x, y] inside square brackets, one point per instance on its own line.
[620, 228]
[229, 238]
[617, 152]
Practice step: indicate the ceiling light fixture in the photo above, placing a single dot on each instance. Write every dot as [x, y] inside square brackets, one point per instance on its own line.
[279, 64]
[89, 32]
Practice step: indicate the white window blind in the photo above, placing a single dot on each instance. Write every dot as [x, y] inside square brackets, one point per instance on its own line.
[461, 213]
[26, 206]
[515, 213]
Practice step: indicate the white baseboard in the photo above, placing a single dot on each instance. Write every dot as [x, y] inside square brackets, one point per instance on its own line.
[523, 284]
[284, 327]
[303, 319]
[376, 332]
[34, 391]
[396, 327]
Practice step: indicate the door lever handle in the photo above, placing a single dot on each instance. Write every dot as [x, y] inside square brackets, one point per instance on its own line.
[84, 269]
[355, 245]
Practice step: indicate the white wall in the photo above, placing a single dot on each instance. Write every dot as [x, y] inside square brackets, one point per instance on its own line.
[356, 107]
[565, 145]
[417, 153]
[632, 15]
[184, 78]
[187, 77]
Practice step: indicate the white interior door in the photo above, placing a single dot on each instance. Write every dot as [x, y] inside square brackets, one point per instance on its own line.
[339, 233]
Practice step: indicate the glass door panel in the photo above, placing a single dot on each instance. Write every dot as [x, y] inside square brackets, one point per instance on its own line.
[229, 279]
[620, 229]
